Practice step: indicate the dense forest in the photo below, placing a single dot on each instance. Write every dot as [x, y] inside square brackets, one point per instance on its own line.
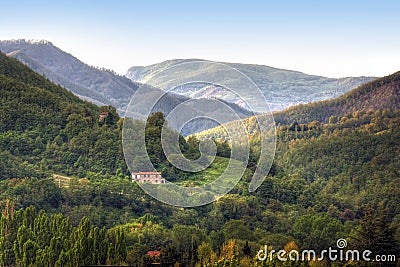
[67, 199]
[382, 93]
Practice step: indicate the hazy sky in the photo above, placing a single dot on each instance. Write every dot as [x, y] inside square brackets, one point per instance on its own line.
[330, 38]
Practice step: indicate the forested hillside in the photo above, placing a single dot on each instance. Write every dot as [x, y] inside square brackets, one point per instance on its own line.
[381, 93]
[99, 86]
[46, 128]
[67, 199]
[105, 87]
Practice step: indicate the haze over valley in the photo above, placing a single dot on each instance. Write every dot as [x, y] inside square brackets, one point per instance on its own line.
[281, 88]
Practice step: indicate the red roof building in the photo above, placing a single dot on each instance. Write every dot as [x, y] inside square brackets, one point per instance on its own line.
[154, 253]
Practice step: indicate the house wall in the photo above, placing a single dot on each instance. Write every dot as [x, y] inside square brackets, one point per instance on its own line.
[155, 178]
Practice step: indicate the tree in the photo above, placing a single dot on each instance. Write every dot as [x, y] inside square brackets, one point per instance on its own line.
[332, 119]
[317, 232]
[156, 119]
[246, 249]
[83, 247]
[135, 254]
[120, 246]
[29, 253]
[154, 126]
[228, 250]
[375, 233]
[236, 229]
[206, 254]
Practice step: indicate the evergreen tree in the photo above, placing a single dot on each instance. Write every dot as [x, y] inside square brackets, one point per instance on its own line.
[375, 233]
[29, 253]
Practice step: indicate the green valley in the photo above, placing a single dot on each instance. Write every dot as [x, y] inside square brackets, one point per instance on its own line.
[67, 198]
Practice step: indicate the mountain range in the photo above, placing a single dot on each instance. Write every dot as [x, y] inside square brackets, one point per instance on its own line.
[379, 94]
[281, 88]
[100, 86]
[68, 199]
[103, 87]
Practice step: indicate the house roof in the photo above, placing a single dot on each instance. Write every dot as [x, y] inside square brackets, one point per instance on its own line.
[154, 253]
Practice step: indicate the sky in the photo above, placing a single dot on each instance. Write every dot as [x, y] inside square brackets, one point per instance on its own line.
[328, 38]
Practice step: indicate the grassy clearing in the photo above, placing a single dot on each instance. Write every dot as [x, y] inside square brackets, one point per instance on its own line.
[210, 174]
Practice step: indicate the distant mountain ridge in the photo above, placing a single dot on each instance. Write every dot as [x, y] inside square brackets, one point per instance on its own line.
[100, 86]
[382, 93]
[281, 88]
[104, 87]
